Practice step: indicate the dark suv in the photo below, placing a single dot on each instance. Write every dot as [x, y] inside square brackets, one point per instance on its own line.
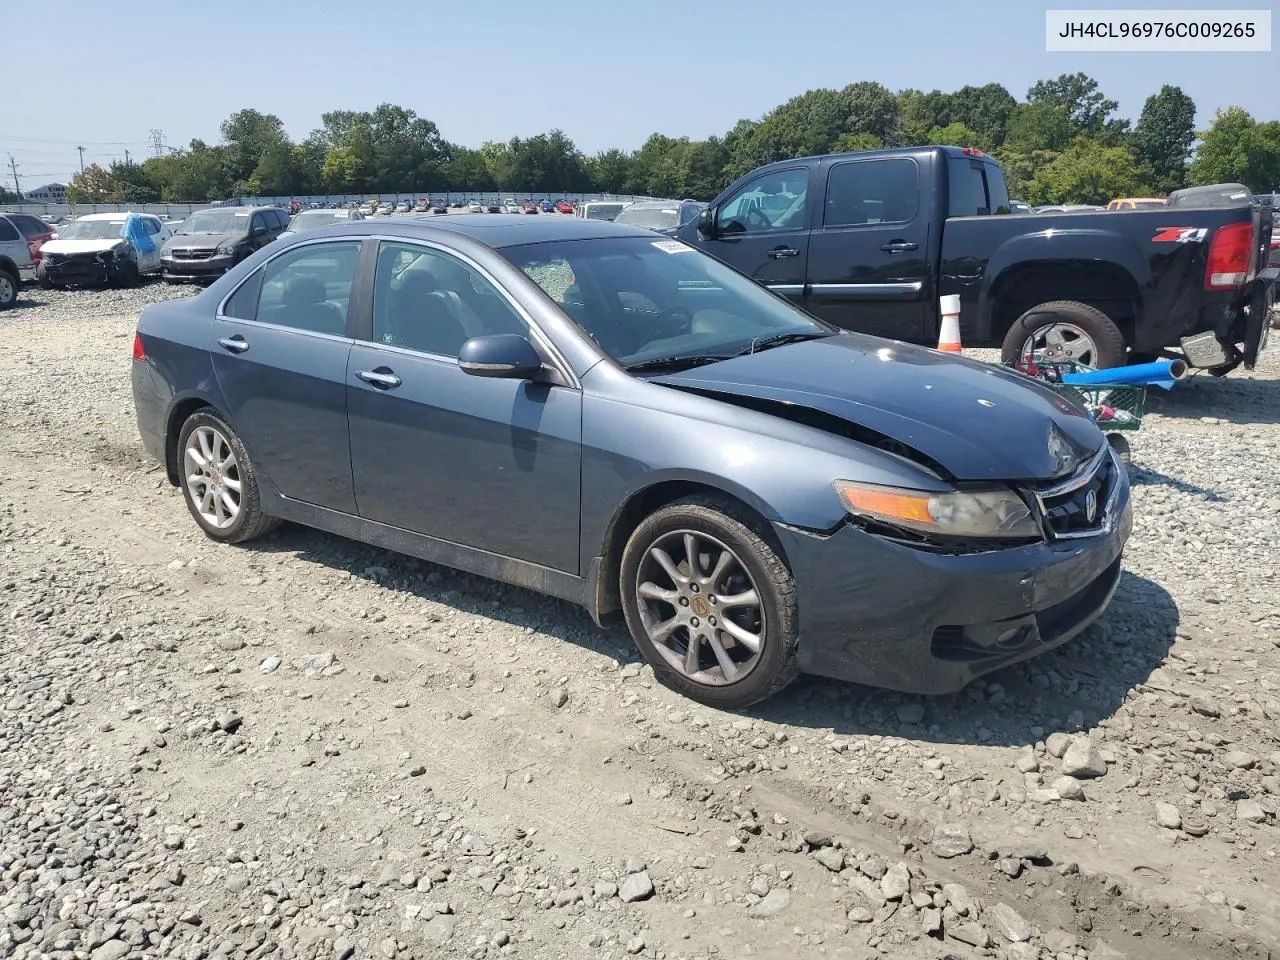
[211, 242]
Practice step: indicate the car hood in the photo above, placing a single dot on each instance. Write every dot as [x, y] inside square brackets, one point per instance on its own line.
[977, 421]
[79, 246]
[204, 240]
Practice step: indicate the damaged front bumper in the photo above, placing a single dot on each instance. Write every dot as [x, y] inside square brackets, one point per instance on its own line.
[80, 269]
[887, 614]
[192, 267]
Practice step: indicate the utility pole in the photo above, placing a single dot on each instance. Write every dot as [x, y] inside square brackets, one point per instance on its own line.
[13, 165]
[127, 161]
[81, 149]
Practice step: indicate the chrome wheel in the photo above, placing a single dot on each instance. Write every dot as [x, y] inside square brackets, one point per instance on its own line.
[700, 608]
[213, 477]
[1058, 343]
[8, 292]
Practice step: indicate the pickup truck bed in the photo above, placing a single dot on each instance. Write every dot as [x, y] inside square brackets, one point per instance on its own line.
[871, 240]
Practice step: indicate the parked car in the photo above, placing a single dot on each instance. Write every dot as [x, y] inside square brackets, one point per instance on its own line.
[510, 206]
[94, 251]
[313, 219]
[1137, 203]
[564, 206]
[1211, 195]
[21, 237]
[404, 207]
[210, 242]
[624, 422]
[600, 209]
[861, 240]
[659, 214]
[528, 207]
[475, 207]
[493, 207]
[1019, 206]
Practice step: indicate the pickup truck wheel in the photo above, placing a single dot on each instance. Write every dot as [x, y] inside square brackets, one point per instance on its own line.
[1065, 330]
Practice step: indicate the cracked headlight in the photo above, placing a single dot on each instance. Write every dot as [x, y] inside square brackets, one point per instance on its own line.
[995, 513]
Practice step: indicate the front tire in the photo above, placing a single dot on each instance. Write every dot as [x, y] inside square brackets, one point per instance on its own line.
[219, 483]
[710, 603]
[8, 290]
[1066, 330]
[127, 276]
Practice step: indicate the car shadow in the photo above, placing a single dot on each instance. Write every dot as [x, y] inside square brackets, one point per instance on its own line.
[1140, 476]
[1071, 688]
[1238, 398]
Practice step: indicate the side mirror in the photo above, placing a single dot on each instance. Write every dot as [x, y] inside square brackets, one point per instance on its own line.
[707, 222]
[505, 355]
[258, 232]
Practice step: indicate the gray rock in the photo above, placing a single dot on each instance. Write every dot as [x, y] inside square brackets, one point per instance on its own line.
[896, 882]
[1206, 706]
[1057, 744]
[1068, 788]
[1008, 923]
[930, 921]
[1083, 760]
[636, 886]
[968, 932]
[773, 903]
[829, 857]
[1027, 763]
[1241, 760]
[559, 697]
[111, 950]
[1251, 811]
[951, 840]
[635, 945]
[860, 915]
[1167, 816]
[229, 722]
[605, 890]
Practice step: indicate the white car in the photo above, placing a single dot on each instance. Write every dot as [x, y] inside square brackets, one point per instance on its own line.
[93, 251]
[510, 206]
[475, 207]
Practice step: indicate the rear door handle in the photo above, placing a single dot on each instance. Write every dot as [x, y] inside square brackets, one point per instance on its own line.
[236, 344]
[778, 253]
[382, 378]
[898, 246]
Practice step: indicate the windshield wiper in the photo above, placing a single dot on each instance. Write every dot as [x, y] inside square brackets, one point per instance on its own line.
[778, 340]
[683, 362]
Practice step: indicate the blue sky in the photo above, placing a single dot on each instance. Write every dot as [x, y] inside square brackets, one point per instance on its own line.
[606, 72]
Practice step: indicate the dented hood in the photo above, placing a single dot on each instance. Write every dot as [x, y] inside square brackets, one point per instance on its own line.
[979, 422]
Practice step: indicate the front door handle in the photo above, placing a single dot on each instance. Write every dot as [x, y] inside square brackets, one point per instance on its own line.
[236, 344]
[898, 246]
[382, 378]
[778, 253]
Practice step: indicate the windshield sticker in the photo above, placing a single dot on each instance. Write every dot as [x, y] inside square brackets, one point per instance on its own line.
[673, 246]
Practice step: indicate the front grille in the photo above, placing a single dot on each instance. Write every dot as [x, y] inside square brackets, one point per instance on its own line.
[192, 253]
[1077, 507]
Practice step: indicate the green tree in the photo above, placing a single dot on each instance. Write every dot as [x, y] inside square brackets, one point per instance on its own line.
[133, 183]
[93, 184]
[919, 113]
[609, 171]
[1163, 137]
[1088, 172]
[1087, 108]
[985, 110]
[1238, 149]
[1039, 125]
[249, 135]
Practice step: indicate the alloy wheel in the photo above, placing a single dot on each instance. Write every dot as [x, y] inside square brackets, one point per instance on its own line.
[700, 608]
[212, 477]
[1058, 343]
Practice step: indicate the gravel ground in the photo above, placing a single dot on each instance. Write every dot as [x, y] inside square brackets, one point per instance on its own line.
[307, 748]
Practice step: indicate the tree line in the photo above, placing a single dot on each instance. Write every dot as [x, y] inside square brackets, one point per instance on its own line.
[1063, 143]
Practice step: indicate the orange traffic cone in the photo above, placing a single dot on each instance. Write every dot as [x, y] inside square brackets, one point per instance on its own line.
[949, 336]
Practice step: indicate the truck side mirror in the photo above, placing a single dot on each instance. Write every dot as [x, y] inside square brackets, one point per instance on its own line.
[707, 223]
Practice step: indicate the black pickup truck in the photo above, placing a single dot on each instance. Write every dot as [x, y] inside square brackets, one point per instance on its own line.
[871, 240]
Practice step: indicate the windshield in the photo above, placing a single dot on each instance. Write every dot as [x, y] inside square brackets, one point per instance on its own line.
[91, 230]
[644, 300]
[603, 211]
[655, 218]
[217, 221]
[311, 219]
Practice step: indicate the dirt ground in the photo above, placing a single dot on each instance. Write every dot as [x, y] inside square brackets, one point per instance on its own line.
[443, 766]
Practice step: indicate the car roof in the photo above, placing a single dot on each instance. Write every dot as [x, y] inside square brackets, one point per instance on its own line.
[655, 204]
[491, 230]
[120, 215]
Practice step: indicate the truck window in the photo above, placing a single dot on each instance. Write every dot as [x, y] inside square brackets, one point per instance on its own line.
[775, 201]
[968, 188]
[862, 192]
[997, 192]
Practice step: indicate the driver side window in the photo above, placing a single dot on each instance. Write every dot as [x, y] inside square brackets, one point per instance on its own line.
[775, 201]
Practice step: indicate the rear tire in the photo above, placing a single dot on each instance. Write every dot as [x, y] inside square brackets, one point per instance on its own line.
[127, 276]
[1088, 335]
[218, 480]
[8, 289]
[737, 594]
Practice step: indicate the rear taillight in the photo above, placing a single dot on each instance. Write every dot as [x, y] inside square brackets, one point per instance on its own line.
[138, 352]
[35, 243]
[1229, 253]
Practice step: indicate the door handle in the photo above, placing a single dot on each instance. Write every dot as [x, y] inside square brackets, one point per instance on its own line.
[898, 246]
[778, 253]
[236, 344]
[382, 378]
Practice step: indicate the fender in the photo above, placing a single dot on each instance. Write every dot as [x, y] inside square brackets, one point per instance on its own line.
[1047, 248]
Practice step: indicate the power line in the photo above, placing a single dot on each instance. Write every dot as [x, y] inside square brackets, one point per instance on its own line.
[75, 143]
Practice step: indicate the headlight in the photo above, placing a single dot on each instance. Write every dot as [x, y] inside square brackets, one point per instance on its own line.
[227, 250]
[122, 250]
[992, 513]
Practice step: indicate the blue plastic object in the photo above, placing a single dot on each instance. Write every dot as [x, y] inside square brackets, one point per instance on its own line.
[137, 235]
[1158, 374]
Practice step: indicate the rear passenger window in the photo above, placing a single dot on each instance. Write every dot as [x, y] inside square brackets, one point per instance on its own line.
[309, 288]
[869, 192]
[8, 231]
[281, 220]
[968, 188]
[243, 304]
[31, 226]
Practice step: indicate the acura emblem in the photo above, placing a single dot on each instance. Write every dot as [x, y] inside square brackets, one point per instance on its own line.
[1090, 506]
